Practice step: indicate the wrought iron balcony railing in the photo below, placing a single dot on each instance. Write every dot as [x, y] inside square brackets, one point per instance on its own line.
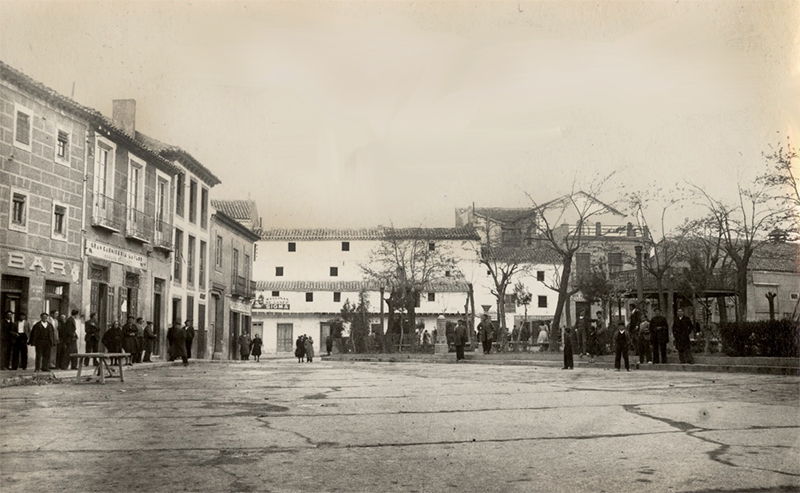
[108, 213]
[163, 236]
[241, 287]
[139, 226]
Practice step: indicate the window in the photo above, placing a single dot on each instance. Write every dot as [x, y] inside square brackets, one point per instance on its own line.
[345, 246]
[201, 275]
[136, 193]
[19, 211]
[255, 252]
[292, 246]
[583, 263]
[278, 271]
[275, 294]
[447, 273]
[337, 297]
[431, 296]
[162, 200]
[59, 221]
[614, 262]
[540, 275]
[204, 208]
[190, 262]
[334, 271]
[180, 182]
[235, 264]
[23, 127]
[309, 297]
[510, 303]
[218, 252]
[62, 147]
[178, 271]
[104, 177]
[192, 201]
[542, 301]
[247, 267]
[431, 246]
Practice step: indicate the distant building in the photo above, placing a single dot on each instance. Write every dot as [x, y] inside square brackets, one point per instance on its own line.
[245, 212]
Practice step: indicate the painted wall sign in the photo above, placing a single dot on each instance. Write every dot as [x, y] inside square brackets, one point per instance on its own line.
[43, 265]
[114, 254]
[271, 303]
[238, 306]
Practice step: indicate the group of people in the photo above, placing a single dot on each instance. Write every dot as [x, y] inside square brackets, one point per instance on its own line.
[248, 347]
[136, 338]
[50, 331]
[304, 348]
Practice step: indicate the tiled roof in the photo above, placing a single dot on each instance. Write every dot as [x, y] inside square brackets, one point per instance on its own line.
[527, 255]
[95, 117]
[778, 257]
[237, 209]
[450, 285]
[168, 151]
[505, 215]
[371, 234]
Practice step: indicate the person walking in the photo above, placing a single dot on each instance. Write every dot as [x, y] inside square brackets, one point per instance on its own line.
[460, 338]
[645, 335]
[179, 343]
[255, 347]
[43, 338]
[19, 346]
[486, 334]
[91, 338]
[309, 349]
[621, 341]
[300, 348]
[244, 347]
[659, 336]
[129, 339]
[682, 330]
[569, 364]
[149, 340]
[189, 331]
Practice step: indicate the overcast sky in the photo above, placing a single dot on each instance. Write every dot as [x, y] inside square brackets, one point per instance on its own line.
[355, 114]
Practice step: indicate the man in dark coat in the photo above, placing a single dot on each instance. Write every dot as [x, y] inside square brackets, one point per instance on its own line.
[179, 343]
[43, 338]
[682, 329]
[19, 348]
[486, 334]
[621, 339]
[149, 341]
[6, 339]
[112, 339]
[139, 339]
[460, 338]
[68, 342]
[189, 331]
[582, 331]
[633, 328]
[129, 343]
[659, 336]
[92, 338]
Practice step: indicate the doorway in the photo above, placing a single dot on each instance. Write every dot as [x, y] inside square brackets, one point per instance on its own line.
[285, 338]
[201, 331]
[13, 298]
[218, 322]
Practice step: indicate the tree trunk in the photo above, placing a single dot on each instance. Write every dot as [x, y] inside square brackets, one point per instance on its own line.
[741, 293]
[722, 306]
[563, 288]
[471, 323]
[660, 288]
[411, 306]
[501, 315]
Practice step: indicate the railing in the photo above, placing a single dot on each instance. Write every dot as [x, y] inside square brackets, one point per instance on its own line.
[725, 282]
[240, 286]
[108, 213]
[607, 230]
[139, 226]
[163, 236]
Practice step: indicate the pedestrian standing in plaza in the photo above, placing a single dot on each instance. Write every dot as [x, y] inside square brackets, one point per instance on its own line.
[682, 330]
[645, 334]
[255, 347]
[601, 332]
[300, 348]
[139, 339]
[112, 338]
[19, 348]
[149, 341]
[55, 321]
[460, 338]
[633, 328]
[543, 339]
[68, 342]
[244, 347]
[329, 343]
[129, 339]
[486, 334]
[7, 339]
[309, 349]
[179, 344]
[582, 332]
[659, 336]
[621, 341]
[43, 338]
[92, 338]
[591, 340]
[568, 356]
[189, 331]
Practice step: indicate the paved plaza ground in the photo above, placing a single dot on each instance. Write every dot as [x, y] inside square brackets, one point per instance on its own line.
[407, 427]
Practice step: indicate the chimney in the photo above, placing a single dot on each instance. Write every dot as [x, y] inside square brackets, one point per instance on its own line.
[124, 116]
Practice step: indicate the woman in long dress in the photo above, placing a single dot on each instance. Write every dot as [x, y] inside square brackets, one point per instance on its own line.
[309, 347]
[255, 347]
[300, 349]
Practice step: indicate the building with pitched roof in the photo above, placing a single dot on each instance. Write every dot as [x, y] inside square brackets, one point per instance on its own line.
[243, 211]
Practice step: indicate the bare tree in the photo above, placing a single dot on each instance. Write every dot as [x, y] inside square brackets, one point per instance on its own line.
[405, 263]
[502, 264]
[523, 298]
[565, 239]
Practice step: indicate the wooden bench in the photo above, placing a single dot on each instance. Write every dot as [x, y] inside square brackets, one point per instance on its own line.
[107, 367]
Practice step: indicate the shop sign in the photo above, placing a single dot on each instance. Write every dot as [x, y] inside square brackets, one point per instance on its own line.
[238, 306]
[118, 255]
[271, 303]
[44, 265]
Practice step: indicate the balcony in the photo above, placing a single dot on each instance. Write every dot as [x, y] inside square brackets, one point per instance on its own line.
[241, 287]
[107, 213]
[678, 279]
[139, 226]
[163, 236]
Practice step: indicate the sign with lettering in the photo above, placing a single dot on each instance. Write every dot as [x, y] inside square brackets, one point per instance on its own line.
[271, 303]
[29, 263]
[108, 252]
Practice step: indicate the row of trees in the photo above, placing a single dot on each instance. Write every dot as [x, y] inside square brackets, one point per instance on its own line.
[721, 240]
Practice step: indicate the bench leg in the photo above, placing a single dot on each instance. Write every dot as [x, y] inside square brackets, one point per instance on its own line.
[80, 366]
[121, 379]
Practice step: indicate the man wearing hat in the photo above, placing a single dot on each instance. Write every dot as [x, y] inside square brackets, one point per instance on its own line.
[486, 334]
[460, 338]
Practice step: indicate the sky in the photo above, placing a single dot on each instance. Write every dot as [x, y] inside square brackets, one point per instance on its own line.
[357, 114]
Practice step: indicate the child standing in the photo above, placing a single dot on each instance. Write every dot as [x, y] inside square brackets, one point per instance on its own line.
[621, 339]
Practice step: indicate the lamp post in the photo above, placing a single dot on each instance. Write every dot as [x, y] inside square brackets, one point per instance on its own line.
[639, 277]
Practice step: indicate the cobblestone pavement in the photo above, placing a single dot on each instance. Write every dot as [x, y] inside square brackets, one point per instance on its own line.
[411, 427]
